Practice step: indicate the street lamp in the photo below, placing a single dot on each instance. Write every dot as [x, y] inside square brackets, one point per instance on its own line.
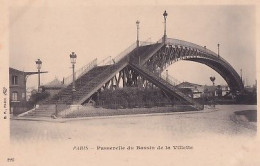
[165, 14]
[212, 79]
[39, 65]
[73, 58]
[218, 50]
[137, 26]
[167, 75]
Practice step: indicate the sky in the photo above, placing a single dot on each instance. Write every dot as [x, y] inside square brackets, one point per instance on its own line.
[51, 32]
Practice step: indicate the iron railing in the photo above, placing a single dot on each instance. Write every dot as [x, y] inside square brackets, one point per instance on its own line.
[146, 42]
[105, 61]
[124, 53]
[170, 79]
[83, 70]
[202, 50]
[175, 89]
[109, 60]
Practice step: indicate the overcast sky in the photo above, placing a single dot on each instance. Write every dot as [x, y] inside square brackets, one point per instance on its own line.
[52, 32]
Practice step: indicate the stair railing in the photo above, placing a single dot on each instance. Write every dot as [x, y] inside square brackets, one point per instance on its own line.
[148, 51]
[124, 53]
[163, 81]
[170, 79]
[131, 48]
[105, 61]
[83, 70]
[146, 42]
[176, 90]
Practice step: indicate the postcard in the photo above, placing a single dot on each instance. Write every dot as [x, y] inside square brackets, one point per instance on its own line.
[129, 83]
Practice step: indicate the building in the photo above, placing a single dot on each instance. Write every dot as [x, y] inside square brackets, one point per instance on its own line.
[53, 87]
[193, 90]
[198, 91]
[17, 90]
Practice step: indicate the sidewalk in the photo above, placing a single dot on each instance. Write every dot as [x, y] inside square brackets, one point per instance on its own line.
[63, 120]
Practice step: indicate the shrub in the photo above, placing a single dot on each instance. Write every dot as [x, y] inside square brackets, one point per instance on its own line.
[130, 97]
[35, 98]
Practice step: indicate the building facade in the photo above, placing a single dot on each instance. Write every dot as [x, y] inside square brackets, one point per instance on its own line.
[17, 88]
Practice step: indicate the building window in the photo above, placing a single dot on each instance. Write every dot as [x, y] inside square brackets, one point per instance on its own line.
[23, 95]
[14, 96]
[14, 80]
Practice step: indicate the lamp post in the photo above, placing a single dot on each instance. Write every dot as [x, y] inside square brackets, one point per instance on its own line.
[165, 14]
[137, 37]
[218, 50]
[213, 79]
[241, 75]
[73, 58]
[39, 65]
[167, 75]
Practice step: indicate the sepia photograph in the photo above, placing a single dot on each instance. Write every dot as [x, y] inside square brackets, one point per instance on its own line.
[88, 83]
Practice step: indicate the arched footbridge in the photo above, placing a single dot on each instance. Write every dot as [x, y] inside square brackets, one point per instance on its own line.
[137, 65]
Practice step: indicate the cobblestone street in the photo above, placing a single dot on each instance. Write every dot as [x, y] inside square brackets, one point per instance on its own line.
[175, 126]
[212, 136]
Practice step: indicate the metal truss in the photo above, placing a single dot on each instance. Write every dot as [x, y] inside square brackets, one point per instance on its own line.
[171, 53]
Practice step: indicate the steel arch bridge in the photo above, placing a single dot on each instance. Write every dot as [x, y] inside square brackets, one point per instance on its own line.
[175, 50]
[138, 66]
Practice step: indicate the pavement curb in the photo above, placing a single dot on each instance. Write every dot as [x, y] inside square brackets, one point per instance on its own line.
[63, 120]
[236, 119]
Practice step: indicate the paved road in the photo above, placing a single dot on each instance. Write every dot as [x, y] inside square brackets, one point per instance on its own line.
[142, 128]
[214, 138]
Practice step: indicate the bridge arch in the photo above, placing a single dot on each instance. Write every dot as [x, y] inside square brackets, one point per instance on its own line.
[174, 50]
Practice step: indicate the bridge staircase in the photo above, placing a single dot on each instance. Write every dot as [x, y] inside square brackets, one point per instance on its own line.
[63, 96]
[94, 85]
[92, 81]
[146, 52]
[166, 86]
[42, 111]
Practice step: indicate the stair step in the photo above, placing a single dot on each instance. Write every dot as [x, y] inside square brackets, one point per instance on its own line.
[37, 116]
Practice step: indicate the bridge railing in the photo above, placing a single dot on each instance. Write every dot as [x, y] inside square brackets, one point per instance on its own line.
[78, 73]
[205, 51]
[176, 90]
[105, 61]
[131, 48]
[170, 79]
[160, 40]
[146, 42]
[124, 53]
[191, 45]
[197, 47]
[109, 60]
[163, 81]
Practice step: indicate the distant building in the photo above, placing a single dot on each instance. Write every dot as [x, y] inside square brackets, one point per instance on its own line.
[193, 90]
[198, 91]
[53, 87]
